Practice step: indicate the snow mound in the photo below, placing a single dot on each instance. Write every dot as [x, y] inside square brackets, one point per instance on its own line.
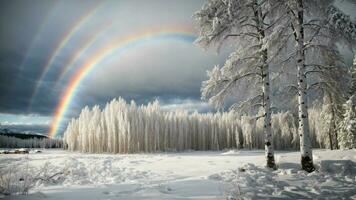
[107, 170]
[334, 180]
[340, 167]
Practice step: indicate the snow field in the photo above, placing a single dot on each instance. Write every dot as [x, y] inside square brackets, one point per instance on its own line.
[189, 175]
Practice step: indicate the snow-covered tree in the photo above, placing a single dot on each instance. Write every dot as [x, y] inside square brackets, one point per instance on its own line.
[330, 27]
[315, 56]
[323, 129]
[352, 73]
[13, 142]
[341, 24]
[297, 9]
[347, 127]
[127, 128]
[347, 135]
[246, 24]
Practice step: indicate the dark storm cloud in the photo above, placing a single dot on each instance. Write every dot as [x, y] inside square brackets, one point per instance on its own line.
[17, 86]
[19, 21]
[31, 30]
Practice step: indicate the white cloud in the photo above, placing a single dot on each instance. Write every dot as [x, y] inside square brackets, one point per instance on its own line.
[24, 120]
[188, 105]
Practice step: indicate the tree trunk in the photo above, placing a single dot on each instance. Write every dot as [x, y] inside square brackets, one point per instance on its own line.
[332, 123]
[267, 126]
[267, 129]
[336, 136]
[330, 137]
[305, 144]
[333, 127]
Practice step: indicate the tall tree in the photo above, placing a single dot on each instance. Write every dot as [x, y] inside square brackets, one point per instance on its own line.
[352, 74]
[249, 25]
[303, 128]
[347, 136]
[347, 127]
[316, 58]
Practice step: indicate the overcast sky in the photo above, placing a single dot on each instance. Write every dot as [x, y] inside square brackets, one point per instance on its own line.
[170, 70]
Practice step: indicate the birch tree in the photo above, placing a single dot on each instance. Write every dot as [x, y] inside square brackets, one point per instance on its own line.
[317, 60]
[246, 24]
[303, 128]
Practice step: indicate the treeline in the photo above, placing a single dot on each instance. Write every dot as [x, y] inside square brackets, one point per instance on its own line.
[127, 128]
[44, 142]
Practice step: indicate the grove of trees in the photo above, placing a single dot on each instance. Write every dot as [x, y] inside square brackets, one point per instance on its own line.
[123, 127]
[285, 82]
[294, 39]
[13, 142]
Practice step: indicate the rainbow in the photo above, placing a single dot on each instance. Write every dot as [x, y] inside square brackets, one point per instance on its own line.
[38, 35]
[62, 43]
[118, 46]
[87, 44]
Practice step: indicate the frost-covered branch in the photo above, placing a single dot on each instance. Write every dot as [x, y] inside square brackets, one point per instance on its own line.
[341, 23]
[243, 106]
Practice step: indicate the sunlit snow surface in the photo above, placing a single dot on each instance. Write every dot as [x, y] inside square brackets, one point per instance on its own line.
[189, 175]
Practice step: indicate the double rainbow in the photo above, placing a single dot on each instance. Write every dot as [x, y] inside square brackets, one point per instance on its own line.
[76, 56]
[116, 47]
[62, 43]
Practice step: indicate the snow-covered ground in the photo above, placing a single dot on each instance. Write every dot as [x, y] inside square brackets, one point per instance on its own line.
[187, 175]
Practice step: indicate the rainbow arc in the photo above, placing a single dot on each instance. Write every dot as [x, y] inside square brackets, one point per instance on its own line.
[116, 47]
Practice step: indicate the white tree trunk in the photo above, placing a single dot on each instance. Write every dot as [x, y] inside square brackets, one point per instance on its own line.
[305, 144]
[267, 126]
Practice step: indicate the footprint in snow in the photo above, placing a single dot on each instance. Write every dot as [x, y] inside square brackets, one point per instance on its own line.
[211, 162]
[125, 192]
[165, 189]
[107, 193]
